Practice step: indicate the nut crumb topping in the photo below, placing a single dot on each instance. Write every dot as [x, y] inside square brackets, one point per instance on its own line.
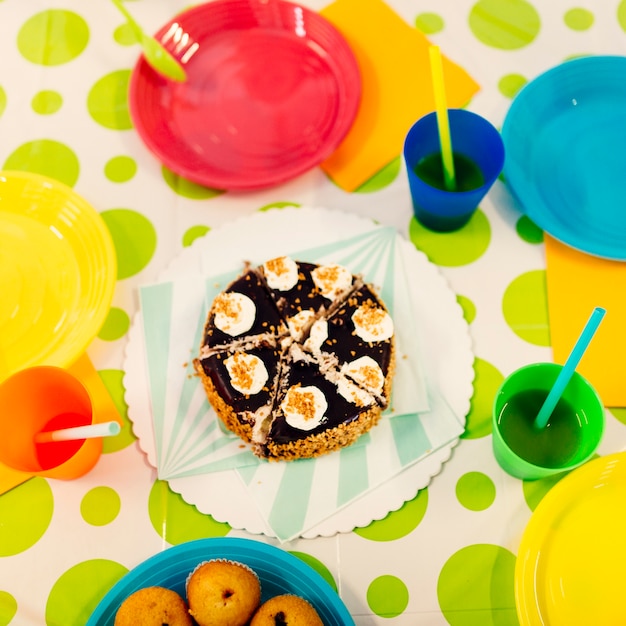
[227, 306]
[278, 266]
[370, 376]
[247, 372]
[240, 371]
[327, 276]
[372, 323]
[302, 403]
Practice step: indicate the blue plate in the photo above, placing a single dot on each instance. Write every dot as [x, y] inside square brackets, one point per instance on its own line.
[565, 143]
[279, 572]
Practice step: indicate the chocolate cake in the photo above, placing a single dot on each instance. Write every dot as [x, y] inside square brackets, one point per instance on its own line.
[297, 358]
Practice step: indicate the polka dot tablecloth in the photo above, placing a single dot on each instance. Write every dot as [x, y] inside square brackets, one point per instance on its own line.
[445, 557]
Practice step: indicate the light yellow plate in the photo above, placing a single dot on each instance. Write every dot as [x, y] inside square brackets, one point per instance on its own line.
[572, 558]
[57, 272]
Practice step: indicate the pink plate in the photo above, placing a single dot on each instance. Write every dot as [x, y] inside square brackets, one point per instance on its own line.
[272, 88]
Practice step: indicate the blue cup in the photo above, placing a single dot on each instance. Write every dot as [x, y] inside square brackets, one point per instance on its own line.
[474, 139]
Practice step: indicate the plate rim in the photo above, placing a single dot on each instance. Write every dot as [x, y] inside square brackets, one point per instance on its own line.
[534, 535]
[350, 101]
[107, 248]
[222, 545]
[535, 213]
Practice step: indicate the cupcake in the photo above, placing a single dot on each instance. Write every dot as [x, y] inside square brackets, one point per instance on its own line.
[223, 593]
[153, 606]
[286, 610]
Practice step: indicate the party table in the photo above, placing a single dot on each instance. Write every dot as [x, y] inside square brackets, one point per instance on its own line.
[446, 554]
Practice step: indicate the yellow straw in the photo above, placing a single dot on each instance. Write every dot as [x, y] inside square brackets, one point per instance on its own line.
[443, 123]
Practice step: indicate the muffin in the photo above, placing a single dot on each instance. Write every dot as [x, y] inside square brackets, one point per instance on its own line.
[223, 593]
[153, 606]
[286, 610]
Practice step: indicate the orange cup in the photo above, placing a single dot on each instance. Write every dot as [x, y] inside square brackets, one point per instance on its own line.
[40, 399]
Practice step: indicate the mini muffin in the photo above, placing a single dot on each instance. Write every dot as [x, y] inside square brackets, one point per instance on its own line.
[286, 610]
[153, 606]
[223, 593]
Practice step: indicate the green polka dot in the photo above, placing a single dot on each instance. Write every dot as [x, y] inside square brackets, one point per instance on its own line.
[619, 414]
[621, 14]
[475, 491]
[47, 157]
[113, 380]
[75, 595]
[528, 230]
[535, 490]
[193, 233]
[318, 566]
[3, 100]
[124, 35]
[504, 24]
[382, 178]
[525, 307]
[187, 188]
[487, 379]
[387, 596]
[46, 102]
[578, 19]
[398, 523]
[461, 247]
[107, 101]
[134, 238]
[25, 514]
[115, 326]
[469, 308]
[279, 205]
[100, 506]
[120, 169]
[8, 608]
[184, 521]
[429, 23]
[53, 37]
[510, 84]
[475, 586]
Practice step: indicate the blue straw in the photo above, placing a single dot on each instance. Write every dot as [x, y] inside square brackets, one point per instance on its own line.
[568, 369]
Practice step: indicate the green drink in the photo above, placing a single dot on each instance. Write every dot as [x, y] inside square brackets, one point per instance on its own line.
[571, 435]
[554, 446]
[467, 174]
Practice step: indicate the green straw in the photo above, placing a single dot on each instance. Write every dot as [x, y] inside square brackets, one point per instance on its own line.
[443, 124]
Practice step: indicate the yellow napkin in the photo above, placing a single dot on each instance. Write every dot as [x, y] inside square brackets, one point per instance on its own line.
[103, 406]
[396, 87]
[576, 283]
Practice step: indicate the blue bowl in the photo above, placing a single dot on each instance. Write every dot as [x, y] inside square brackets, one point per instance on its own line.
[278, 571]
[565, 145]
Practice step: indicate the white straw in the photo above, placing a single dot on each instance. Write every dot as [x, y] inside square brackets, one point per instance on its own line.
[106, 429]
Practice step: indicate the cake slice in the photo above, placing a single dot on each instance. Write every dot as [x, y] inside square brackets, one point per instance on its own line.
[244, 309]
[314, 415]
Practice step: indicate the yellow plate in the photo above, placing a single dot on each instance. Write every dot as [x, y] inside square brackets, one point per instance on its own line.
[571, 562]
[57, 272]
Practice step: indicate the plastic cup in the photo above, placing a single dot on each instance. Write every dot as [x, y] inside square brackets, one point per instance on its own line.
[474, 138]
[45, 398]
[570, 438]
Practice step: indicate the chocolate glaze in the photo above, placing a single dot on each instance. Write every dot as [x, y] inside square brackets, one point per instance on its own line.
[284, 370]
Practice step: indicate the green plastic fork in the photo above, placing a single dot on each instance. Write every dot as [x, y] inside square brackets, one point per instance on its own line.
[155, 54]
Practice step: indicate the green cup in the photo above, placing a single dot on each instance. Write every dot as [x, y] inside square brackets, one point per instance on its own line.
[570, 438]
